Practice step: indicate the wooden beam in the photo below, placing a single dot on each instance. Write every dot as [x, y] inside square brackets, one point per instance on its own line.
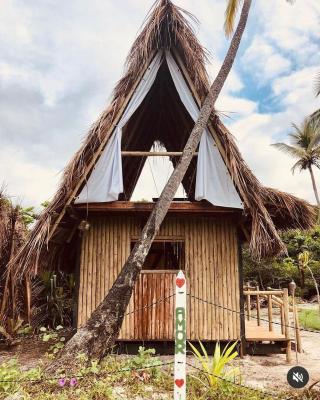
[153, 154]
[176, 207]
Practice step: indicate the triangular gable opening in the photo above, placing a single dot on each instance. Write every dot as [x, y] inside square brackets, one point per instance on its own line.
[162, 110]
[154, 176]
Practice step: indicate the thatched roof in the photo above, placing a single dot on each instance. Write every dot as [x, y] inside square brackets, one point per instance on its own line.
[169, 27]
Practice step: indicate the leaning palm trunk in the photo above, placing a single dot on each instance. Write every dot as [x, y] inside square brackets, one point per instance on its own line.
[99, 335]
[315, 285]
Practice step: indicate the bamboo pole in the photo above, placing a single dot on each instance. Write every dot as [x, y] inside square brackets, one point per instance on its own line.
[258, 308]
[286, 324]
[248, 306]
[153, 154]
[297, 327]
[270, 316]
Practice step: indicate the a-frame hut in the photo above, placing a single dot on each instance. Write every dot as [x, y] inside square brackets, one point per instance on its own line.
[91, 224]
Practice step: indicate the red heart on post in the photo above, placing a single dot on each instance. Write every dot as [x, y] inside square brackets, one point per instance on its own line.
[180, 282]
[179, 382]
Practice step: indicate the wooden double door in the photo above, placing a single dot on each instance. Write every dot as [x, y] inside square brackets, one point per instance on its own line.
[150, 314]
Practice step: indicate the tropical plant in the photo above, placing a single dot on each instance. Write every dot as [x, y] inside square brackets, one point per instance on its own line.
[12, 329]
[215, 370]
[304, 261]
[54, 299]
[54, 338]
[305, 148]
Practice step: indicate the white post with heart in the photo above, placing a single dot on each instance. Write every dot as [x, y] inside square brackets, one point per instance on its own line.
[180, 358]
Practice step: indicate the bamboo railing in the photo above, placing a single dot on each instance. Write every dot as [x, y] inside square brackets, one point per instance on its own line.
[275, 299]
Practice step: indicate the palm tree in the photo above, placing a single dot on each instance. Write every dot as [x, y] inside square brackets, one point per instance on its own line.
[305, 148]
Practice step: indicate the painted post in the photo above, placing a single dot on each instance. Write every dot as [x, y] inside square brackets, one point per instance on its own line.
[180, 338]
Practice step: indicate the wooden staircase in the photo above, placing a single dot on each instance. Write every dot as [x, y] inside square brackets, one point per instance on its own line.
[268, 330]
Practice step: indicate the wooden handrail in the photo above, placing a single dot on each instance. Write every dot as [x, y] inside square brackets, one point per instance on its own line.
[262, 292]
[280, 299]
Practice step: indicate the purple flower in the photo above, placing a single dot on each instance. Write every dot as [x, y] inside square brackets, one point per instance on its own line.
[62, 382]
[73, 382]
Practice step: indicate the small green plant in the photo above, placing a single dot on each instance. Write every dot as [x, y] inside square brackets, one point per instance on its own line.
[145, 359]
[216, 367]
[13, 329]
[54, 338]
[9, 371]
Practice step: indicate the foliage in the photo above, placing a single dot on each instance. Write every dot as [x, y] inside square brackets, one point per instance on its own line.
[278, 272]
[57, 341]
[112, 381]
[309, 319]
[216, 368]
[12, 329]
[305, 145]
[28, 215]
[10, 372]
[145, 359]
[54, 299]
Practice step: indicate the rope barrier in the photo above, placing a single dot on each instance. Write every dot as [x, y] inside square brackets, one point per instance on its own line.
[244, 315]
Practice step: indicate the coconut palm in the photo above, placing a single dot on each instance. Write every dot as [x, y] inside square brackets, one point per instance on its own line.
[305, 148]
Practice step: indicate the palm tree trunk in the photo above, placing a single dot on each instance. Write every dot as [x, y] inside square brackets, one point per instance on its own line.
[315, 285]
[315, 190]
[99, 335]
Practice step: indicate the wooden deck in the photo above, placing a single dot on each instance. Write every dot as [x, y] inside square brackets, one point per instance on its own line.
[255, 333]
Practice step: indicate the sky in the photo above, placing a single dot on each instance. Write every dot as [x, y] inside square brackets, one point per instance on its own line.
[60, 61]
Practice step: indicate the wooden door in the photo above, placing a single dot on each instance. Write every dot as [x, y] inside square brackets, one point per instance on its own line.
[151, 307]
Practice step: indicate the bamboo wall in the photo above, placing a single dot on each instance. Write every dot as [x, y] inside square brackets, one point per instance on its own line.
[211, 266]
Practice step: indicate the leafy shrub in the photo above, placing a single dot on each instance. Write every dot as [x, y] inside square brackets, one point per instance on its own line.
[216, 368]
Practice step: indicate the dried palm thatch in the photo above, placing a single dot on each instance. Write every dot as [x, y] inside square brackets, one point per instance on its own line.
[169, 27]
[13, 235]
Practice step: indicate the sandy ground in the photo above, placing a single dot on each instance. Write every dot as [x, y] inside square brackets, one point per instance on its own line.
[270, 372]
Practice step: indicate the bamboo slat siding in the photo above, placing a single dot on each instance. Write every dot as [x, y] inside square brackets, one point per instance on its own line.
[211, 266]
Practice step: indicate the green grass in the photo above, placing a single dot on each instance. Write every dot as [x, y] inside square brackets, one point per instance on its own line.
[310, 319]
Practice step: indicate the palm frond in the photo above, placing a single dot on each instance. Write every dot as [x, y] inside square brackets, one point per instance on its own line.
[292, 151]
[315, 118]
[299, 164]
[317, 85]
[230, 16]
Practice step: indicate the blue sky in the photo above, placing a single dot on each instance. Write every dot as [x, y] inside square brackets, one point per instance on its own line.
[60, 60]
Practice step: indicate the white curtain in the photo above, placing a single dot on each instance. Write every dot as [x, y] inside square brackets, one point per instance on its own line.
[106, 180]
[213, 182]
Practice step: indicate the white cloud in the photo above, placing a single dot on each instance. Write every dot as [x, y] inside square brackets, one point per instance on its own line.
[29, 183]
[263, 61]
